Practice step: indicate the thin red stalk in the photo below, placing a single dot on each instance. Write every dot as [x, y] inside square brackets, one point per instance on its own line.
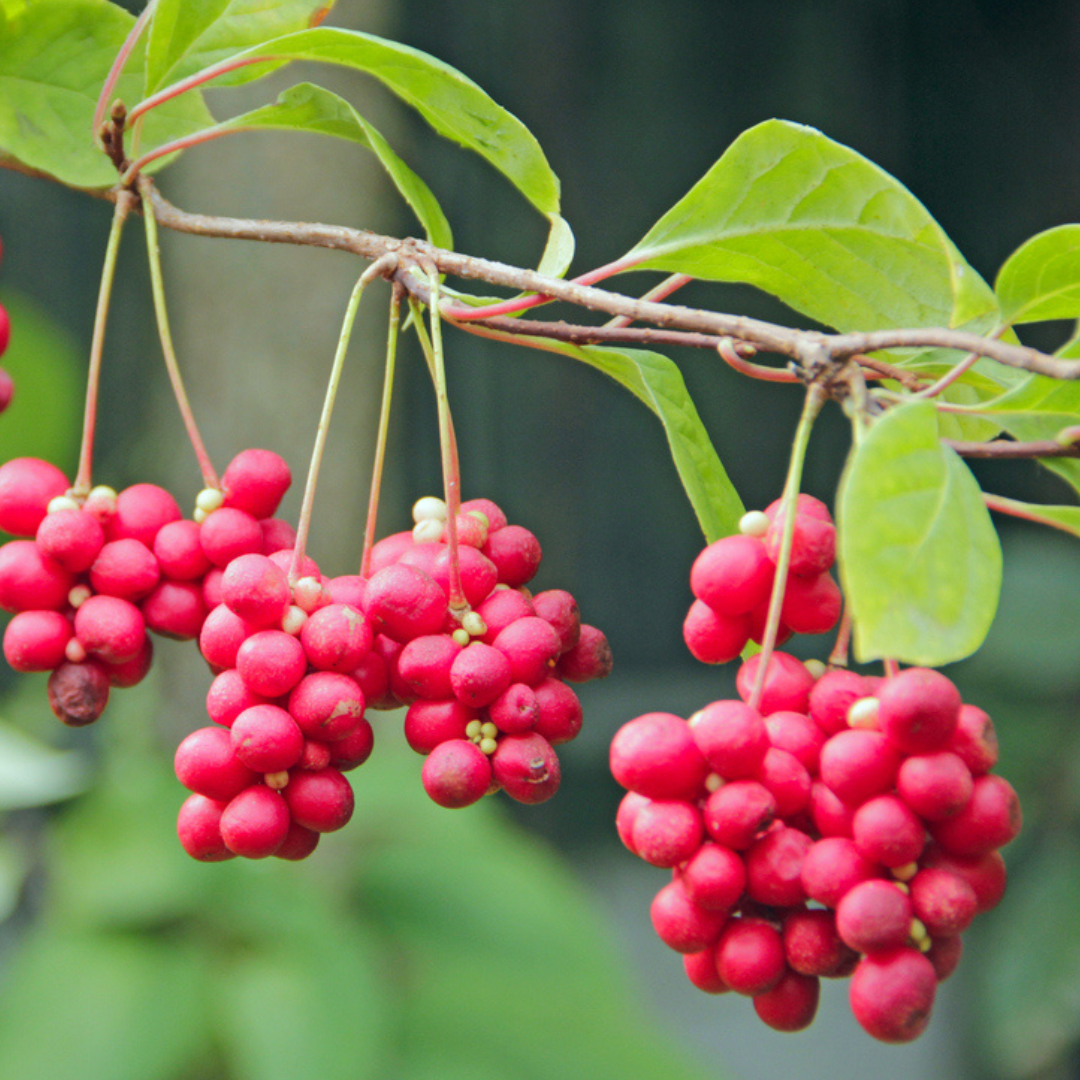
[892, 668]
[727, 352]
[118, 67]
[839, 655]
[208, 135]
[463, 312]
[1023, 511]
[658, 292]
[206, 466]
[191, 82]
[83, 483]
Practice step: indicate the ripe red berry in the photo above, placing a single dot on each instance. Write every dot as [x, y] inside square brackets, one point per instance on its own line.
[874, 916]
[30, 580]
[667, 832]
[945, 902]
[72, 537]
[936, 786]
[456, 773]
[886, 830]
[857, 765]
[255, 481]
[774, 867]
[750, 956]
[558, 608]
[700, 968]
[179, 552]
[532, 646]
[788, 781]
[266, 739]
[111, 629]
[831, 697]
[713, 638]
[732, 737]
[787, 683]
[503, 607]
[271, 662]
[811, 604]
[733, 575]
[27, 486]
[813, 947]
[175, 609]
[984, 873]
[327, 705]
[918, 710]
[424, 665]
[403, 602]
[559, 713]
[892, 994]
[526, 767]
[975, 741]
[198, 826]
[429, 723]
[515, 553]
[589, 659]
[226, 534]
[322, 801]
[714, 877]
[255, 823]
[479, 674]
[681, 924]
[834, 866]
[656, 756]
[337, 637]
[35, 640]
[991, 819]
[257, 590]
[516, 710]
[791, 1004]
[206, 763]
[737, 813]
[141, 511]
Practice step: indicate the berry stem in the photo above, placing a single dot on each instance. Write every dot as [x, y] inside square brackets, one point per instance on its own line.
[157, 284]
[191, 82]
[304, 524]
[81, 488]
[726, 349]
[892, 668]
[118, 67]
[815, 398]
[433, 350]
[384, 429]
[839, 655]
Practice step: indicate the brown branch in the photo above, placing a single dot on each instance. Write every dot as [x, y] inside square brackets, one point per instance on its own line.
[809, 348]
[1004, 449]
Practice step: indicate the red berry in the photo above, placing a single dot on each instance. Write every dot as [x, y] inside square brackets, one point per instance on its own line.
[714, 877]
[298, 844]
[532, 646]
[589, 659]
[812, 946]
[798, 735]
[175, 609]
[517, 710]
[811, 604]
[479, 674]
[354, 749]
[874, 916]
[141, 511]
[501, 608]
[559, 712]
[701, 970]
[774, 867]
[179, 552]
[256, 822]
[831, 697]
[221, 636]
[666, 833]
[132, 672]
[337, 637]
[558, 608]
[713, 638]
[786, 777]
[72, 537]
[424, 665]
[656, 756]
[271, 662]
[791, 1004]
[35, 640]
[125, 568]
[681, 924]
[111, 629]
[457, 773]
[327, 705]
[918, 710]
[256, 590]
[515, 553]
[255, 481]
[750, 956]
[322, 801]
[834, 866]
[991, 819]
[429, 723]
[858, 764]
[206, 763]
[737, 813]
[198, 826]
[228, 697]
[27, 486]
[945, 902]
[732, 737]
[892, 994]
[975, 741]
[404, 602]
[495, 517]
[886, 830]
[936, 786]
[526, 767]
[30, 580]
[733, 575]
[267, 739]
[787, 683]
[226, 534]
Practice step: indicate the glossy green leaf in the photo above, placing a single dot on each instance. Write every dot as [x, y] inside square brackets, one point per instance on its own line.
[54, 60]
[819, 226]
[312, 109]
[101, 1005]
[1041, 279]
[186, 37]
[1031, 1011]
[450, 102]
[657, 382]
[559, 250]
[920, 562]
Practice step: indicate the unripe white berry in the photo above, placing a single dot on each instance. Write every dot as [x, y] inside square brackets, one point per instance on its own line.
[292, 622]
[277, 780]
[199, 516]
[429, 508]
[754, 523]
[461, 636]
[488, 746]
[79, 595]
[714, 782]
[62, 502]
[473, 624]
[209, 499]
[905, 872]
[428, 531]
[815, 667]
[74, 651]
[863, 713]
[307, 593]
[473, 729]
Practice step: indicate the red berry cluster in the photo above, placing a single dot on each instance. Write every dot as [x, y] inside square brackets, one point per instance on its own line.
[487, 690]
[297, 665]
[848, 825]
[102, 571]
[732, 580]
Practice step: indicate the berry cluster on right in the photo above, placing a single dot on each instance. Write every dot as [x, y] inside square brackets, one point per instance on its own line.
[838, 825]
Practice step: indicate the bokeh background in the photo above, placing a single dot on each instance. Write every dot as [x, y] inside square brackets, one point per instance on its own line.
[503, 941]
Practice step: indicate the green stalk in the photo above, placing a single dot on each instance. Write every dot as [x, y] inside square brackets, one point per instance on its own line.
[815, 398]
[82, 485]
[383, 433]
[157, 284]
[304, 524]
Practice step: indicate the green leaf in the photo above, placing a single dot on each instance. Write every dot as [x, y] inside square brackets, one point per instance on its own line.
[32, 774]
[822, 228]
[657, 382]
[101, 1005]
[1030, 1005]
[559, 250]
[1041, 279]
[310, 108]
[1037, 408]
[450, 102]
[1065, 518]
[186, 37]
[56, 55]
[920, 561]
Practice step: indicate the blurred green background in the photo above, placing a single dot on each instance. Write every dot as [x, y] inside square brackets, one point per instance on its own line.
[503, 941]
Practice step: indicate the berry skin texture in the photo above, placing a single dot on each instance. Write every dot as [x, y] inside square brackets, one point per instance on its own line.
[516, 554]
[787, 683]
[991, 819]
[714, 878]
[327, 706]
[812, 945]
[713, 638]
[206, 764]
[27, 486]
[456, 773]
[30, 580]
[589, 659]
[919, 709]
[111, 629]
[737, 813]
[874, 916]
[892, 994]
[35, 640]
[72, 537]
[936, 786]
[198, 826]
[255, 481]
[732, 737]
[271, 662]
[256, 590]
[666, 833]
[526, 767]
[404, 602]
[791, 1004]
[888, 831]
[680, 923]
[266, 739]
[226, 534]
[732, 575]
[255, 823]
[750, 956]
[322, 801]
[774, 867]
[701, 970]
[141, 511]
[656, 756]
[337, 638]
[856, 765]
